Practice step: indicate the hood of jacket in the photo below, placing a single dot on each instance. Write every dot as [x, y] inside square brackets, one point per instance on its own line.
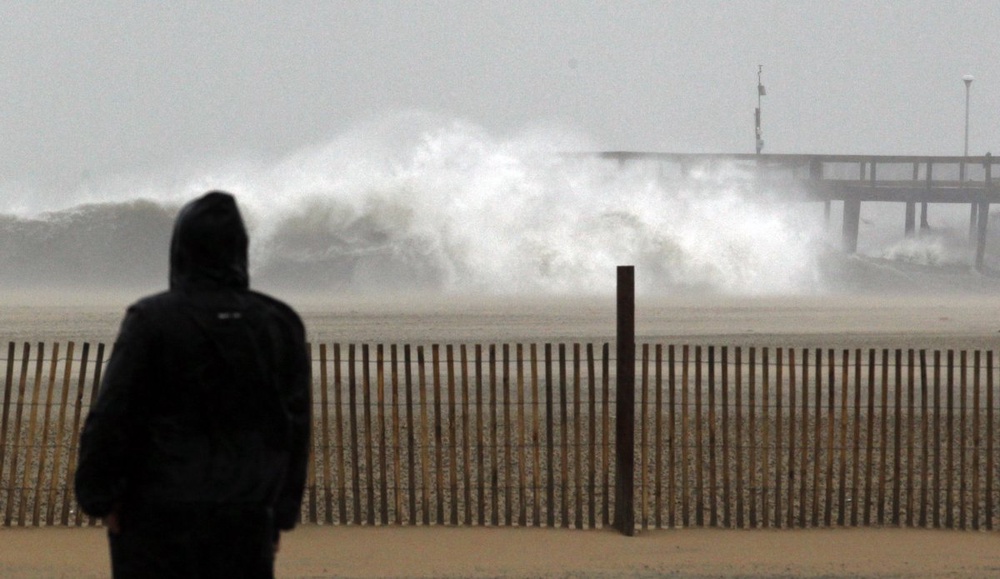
[208, 249]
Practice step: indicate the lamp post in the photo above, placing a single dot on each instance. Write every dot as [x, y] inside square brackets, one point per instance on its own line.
[967, 79]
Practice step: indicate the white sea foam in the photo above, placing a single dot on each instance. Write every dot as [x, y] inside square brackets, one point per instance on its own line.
[448, 204]
[930, 250]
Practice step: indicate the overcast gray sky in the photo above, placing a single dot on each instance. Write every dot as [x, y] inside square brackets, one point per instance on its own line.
[96, 89]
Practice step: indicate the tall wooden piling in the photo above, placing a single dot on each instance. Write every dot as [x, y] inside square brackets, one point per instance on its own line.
[911, 208]
[625, 403]
[983, 215]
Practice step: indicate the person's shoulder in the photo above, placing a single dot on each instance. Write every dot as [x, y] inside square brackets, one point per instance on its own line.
[279, 309]
[146, 316]
[153, 305]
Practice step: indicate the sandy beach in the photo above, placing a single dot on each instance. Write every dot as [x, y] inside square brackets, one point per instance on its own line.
[338, 552]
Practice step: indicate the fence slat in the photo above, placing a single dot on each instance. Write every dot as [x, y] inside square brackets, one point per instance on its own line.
[536, 442]
[366, 387]
[42, 450]
[856, 457]
[738, 377]
[60, 431]
[869, 456]
[438, 465]
[522, 441]
[949, 497]
[817, 434]
[32, 434]
[606, 438]
[325, 442]
[658, 437]
[831, 384]
[592, 438]
[910, 464]
[74, 435]
[792, 407]
[577, 440]
[95, 384]
[804, 446]
[989, 440]
[480, 434]
[672, 441]
[452, 435]
[16, 434]
[712, 472]
[897, 445]
[550, 494]
[411, 435]
[685, 440]
[494, 441]
[883, 437]
[751, 436]
[643, 431]
[352, 391]
[765, 385]
[309, 492]
[727, 520]
[397, 450]
[383, 455]
[425, 445]
[466, 451]
[564, 439]
[924, 439]
[338, 416]
[8, 385]
[937, 439]
[698, 438]
[975, 440]
[309, 495]
[508, 462]
[962, 441]
[842, 490]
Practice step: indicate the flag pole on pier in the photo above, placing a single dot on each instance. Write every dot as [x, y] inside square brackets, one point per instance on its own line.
[760, 92]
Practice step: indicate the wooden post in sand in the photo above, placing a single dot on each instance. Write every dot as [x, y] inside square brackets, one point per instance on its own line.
[625, 404]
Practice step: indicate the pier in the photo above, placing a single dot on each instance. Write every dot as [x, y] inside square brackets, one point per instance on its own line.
[855, 179]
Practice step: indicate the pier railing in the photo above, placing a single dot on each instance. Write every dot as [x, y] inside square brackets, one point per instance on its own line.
[524, 435]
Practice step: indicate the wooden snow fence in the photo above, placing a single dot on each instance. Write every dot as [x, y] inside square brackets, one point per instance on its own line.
[524, 435]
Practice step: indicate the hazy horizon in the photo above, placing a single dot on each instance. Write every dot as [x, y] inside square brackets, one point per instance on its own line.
[116, 94]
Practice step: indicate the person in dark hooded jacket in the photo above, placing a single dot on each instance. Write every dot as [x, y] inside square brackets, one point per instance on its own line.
[195, 450]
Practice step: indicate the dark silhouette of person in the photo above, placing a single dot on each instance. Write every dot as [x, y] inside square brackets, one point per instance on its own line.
[195, 451]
